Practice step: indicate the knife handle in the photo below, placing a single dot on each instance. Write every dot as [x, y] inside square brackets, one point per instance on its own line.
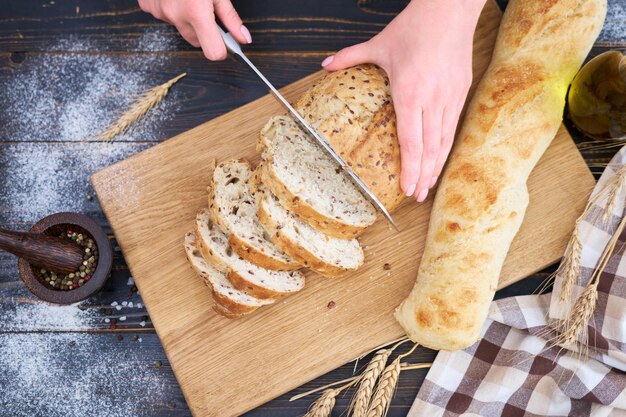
[231, 44]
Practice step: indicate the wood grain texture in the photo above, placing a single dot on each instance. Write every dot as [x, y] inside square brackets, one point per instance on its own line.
[299, 339]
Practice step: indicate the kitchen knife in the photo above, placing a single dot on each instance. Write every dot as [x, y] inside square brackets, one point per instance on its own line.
[233, 46]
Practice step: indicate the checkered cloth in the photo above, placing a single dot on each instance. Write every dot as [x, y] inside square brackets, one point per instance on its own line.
[514, 371]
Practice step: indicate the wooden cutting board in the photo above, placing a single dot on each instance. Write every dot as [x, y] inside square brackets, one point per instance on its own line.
[228, 367]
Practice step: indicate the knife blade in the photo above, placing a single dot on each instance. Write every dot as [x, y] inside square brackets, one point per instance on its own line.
[233, 46]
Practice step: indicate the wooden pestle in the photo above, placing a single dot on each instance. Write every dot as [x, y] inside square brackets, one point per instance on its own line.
[48, 252]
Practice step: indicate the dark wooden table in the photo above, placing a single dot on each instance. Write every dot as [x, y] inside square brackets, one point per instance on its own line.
[66, 69]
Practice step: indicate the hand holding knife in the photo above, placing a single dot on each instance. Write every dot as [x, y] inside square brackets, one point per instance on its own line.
[233, 46]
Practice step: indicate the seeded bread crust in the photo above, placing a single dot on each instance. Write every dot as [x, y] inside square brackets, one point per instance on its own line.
[376, 158]
[242, 274]
[302, 251]
[245, 246]
[342, 104]
[229, 301]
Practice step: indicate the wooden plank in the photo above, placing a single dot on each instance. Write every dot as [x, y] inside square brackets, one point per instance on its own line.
[287, 344]
[321, 25]
[117, 377]
[72, 97]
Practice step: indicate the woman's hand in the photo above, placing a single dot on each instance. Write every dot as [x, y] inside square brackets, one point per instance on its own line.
[195, 20]
[427, 54]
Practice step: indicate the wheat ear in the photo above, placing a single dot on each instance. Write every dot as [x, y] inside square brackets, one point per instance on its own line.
[323, 406]
[379, 406]
[138, 109]
[370, 375]
[585, 304]
[571, 265]
[612, 197]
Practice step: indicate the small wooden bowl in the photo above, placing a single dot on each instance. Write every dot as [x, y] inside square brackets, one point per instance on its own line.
[98, 278]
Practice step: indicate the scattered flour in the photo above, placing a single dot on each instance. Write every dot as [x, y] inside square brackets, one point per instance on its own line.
[156, 39]
[42, 378]
[615, 24]
[70, 97]
[27, 316]
[75, 96]
[45, 178]
[49, 370]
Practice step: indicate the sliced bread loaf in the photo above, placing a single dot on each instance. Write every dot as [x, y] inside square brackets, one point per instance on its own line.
[234, 210]
[341, 105]
[318, 251]
[245, 276]
[308, 182]
[229, 301]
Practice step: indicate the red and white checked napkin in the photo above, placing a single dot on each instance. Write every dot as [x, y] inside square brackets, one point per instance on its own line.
[515, 371]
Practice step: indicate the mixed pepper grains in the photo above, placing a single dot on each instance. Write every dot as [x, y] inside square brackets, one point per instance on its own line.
[78, 278]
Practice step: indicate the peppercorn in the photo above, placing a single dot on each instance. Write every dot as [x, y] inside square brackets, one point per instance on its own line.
[77, 278]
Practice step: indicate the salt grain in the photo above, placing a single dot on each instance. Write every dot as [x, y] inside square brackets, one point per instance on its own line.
[123, 318]
[118, 308]
[131, 281]
[143, 323]
[124, 303]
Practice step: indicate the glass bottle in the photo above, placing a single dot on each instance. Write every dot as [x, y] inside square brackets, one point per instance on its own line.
[597, 97]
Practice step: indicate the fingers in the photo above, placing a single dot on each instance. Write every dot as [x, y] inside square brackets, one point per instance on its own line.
[210, 37]
[189, 34]
[410, 138]
[348, 57]
[228, 16]
[451, 120]
[432, 120]
[450, 123]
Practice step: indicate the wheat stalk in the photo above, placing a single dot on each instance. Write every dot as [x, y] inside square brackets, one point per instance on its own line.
[323, 406]
[571, 265]
[379, 406]
[384, 390]
[611, 199]
[138, 109]
[584, 306]
[369, 377]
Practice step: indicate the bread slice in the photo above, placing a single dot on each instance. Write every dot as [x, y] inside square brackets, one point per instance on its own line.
[323, 254]
[308, 182]
[233, 208]
[245, 276]
[229, 301]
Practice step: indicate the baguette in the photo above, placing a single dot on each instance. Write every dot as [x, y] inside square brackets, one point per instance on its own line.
[482, 197]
